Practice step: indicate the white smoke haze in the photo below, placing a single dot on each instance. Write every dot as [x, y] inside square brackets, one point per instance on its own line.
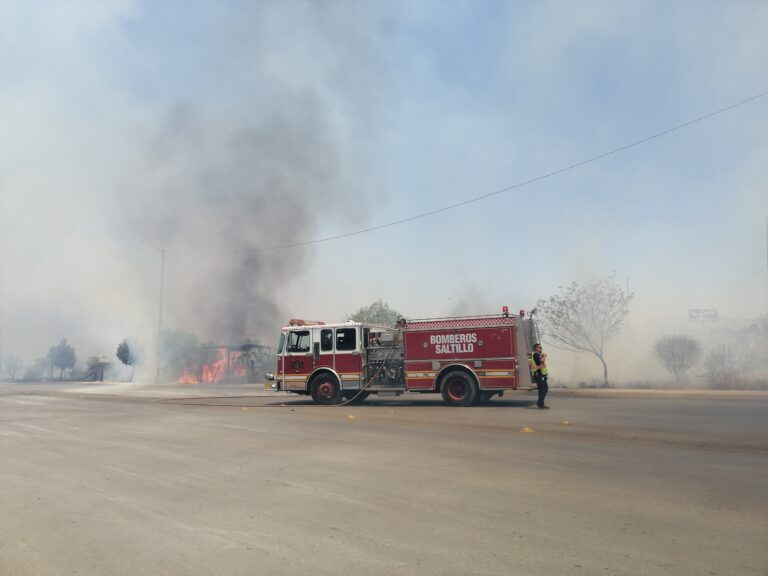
[216, 130]
[93, 178]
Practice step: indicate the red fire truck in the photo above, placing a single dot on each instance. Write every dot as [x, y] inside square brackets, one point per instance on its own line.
[467, 359]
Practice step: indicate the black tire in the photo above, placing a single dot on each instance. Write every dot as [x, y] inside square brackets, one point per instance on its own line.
[459, 388]
[356, 395]
[325, 389]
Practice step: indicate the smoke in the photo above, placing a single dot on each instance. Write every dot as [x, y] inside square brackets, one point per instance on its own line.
[222, 198]
[214, 143]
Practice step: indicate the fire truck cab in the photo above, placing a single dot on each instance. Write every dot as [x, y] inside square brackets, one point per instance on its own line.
[467, 359]
[323, 360]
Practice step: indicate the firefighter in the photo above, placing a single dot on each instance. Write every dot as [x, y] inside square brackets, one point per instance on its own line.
[539, 374]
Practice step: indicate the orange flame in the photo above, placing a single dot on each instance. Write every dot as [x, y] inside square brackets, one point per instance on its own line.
[216, 371]
[187, 378]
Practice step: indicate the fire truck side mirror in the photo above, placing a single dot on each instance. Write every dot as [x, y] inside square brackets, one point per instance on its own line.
[316, 351]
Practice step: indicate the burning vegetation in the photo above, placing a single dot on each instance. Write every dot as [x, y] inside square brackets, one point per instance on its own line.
[183, 359]
[226, 364]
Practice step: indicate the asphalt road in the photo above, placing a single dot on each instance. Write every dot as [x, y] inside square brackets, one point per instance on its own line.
[140, 480]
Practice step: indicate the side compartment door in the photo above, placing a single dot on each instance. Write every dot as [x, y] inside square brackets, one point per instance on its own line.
[499, 368]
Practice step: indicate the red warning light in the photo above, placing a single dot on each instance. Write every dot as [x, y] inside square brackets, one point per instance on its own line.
[505, 311]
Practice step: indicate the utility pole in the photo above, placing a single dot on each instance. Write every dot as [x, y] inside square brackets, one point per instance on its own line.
[160, 305]
[160, 312]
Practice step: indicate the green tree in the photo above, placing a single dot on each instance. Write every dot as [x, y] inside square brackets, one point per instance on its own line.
[127, 355]
[256, 359]
[181, 354]
[377, 313]
[584, 318]
[62, 356]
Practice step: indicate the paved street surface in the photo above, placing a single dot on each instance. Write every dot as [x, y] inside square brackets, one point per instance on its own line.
[130, 479]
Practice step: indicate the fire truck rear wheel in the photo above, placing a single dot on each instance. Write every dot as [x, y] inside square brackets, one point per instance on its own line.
[325, 389]
[459, 388]
[356, 394]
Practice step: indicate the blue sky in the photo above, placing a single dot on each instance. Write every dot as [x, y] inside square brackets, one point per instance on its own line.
[160, 121]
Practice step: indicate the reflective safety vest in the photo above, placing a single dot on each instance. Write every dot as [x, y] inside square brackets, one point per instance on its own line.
[534, 368]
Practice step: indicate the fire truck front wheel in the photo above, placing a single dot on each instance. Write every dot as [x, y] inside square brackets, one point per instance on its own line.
[325, 389]
[459, 388]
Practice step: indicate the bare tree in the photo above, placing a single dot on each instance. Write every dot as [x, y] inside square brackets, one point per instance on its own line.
[12, 366]
[584, 318]
[721, 367]
[42, 368]
[678, 353]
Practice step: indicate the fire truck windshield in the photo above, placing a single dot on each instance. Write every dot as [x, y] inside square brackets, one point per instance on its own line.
[298, 341]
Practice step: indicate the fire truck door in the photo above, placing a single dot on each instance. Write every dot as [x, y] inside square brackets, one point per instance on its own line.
[323, 349]
[348, 359]
[298, 361]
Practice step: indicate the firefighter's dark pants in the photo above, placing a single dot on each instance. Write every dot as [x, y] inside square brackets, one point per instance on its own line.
[541, 383]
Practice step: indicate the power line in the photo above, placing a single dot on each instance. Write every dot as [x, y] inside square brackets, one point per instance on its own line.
[500, 190]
